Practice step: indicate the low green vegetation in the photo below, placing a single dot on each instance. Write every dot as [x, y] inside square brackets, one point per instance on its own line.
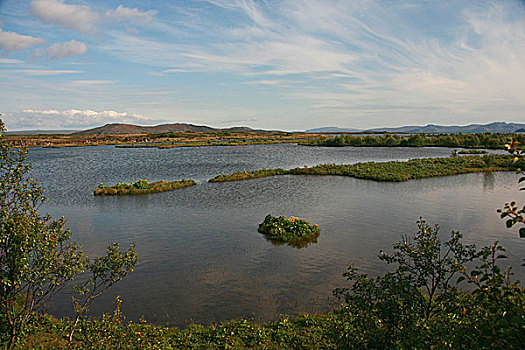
[394, 171]
[295, 232]
[141, 187]
[487, 140]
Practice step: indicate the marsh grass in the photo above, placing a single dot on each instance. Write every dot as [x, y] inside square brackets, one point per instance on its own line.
[393, 171]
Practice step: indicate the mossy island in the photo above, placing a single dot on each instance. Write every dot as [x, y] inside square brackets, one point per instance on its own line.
[141, 187]
[295, 232]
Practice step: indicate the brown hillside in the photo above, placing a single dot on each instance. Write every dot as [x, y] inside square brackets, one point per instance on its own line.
[137, 129]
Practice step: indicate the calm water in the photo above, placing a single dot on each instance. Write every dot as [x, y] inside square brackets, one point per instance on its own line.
[201, 257]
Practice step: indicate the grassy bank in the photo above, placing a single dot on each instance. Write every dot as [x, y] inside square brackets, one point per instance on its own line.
[394, 171]
[141, 187]
[488, 140]
[205, 144]
[159, 140]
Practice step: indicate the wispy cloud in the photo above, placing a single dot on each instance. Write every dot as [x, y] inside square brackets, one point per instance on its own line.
[10, 61]
[45, 72]
[360, 63]
[93, 82]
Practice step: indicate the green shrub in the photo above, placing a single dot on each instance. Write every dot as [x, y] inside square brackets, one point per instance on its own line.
[294, 231]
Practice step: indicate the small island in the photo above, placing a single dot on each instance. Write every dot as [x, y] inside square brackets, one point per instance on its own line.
[472, 151]
[295, 232]
[141, 187]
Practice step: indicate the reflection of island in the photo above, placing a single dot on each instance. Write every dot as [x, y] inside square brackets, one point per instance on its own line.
[295, 232]
[488, 181]
[295, 244]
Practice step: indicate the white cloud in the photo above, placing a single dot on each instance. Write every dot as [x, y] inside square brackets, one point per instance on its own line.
[64, 50]
[123, 13]
[11, 41]
[76, 17]
[69, 119]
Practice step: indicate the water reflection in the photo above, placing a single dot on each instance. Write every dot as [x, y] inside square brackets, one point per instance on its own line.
[298, 244]
[488, 181]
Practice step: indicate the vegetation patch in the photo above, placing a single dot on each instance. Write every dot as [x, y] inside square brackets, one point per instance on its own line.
[487, 140]
[394, 171]
[141, 187]
[295, 232]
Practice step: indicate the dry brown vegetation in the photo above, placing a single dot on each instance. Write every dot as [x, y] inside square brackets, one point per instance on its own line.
[160, 140]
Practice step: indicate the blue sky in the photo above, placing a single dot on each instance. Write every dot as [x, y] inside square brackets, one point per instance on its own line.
[289, 65]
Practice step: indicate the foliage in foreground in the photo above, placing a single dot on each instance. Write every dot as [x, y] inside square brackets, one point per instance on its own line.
[295, 232]
[394, 171]
[37, 258]
[141, 187]
[512, 213]
[417, 305]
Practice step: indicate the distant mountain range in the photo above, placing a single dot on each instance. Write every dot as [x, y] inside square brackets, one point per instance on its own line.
[500, 127]
[331, 129]
[137, 129]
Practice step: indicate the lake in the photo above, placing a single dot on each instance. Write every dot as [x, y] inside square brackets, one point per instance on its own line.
[201, 258]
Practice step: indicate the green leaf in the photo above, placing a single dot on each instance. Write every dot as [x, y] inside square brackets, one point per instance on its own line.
[522, 232]
[509, 223]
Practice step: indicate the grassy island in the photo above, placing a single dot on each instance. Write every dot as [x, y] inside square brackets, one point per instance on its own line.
[394, 171]
[295, 232]
[245, 175]
[472, 151]
[141, 187]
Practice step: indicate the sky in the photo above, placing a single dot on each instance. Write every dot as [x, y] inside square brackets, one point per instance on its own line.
[275, 64]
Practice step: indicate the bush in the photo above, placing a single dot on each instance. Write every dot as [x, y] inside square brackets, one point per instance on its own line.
[295, 232]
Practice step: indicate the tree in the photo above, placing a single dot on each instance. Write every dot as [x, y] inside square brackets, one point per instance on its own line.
[37, 258]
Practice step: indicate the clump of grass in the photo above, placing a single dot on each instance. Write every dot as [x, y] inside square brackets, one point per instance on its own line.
[296, 232]
[141, 187]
